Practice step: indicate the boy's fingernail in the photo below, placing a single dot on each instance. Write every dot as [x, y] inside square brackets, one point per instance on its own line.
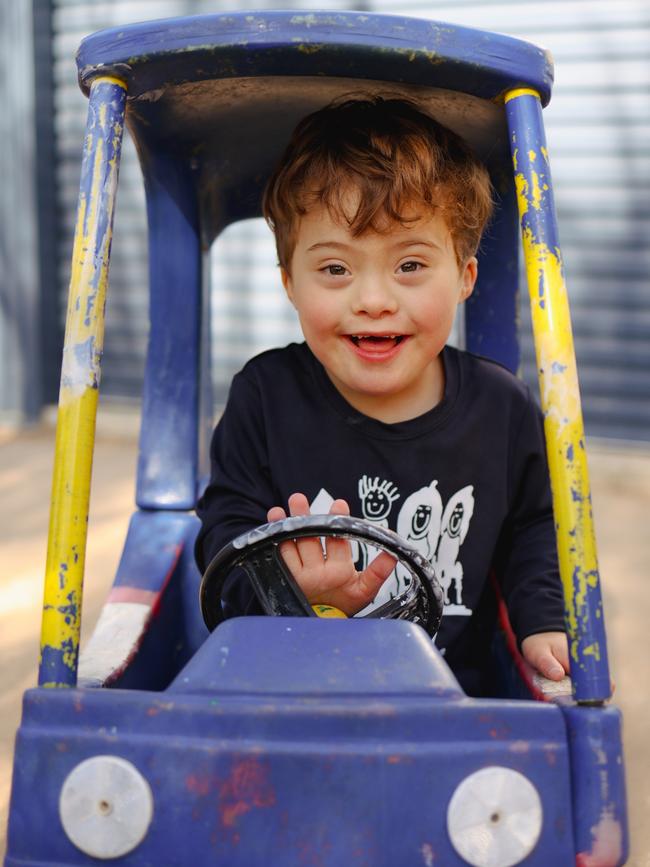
[555, 670]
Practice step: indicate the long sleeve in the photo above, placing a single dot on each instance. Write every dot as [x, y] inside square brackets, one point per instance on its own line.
[528, 552]
[240, 490]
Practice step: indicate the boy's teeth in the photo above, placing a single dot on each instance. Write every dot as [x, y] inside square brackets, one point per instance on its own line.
[375, 338]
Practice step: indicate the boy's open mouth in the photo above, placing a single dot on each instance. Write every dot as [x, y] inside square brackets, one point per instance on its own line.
[376, 342]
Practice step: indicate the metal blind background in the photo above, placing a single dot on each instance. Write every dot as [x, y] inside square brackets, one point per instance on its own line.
[598, 129]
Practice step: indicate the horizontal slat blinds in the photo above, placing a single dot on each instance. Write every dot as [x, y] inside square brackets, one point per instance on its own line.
[598, 129]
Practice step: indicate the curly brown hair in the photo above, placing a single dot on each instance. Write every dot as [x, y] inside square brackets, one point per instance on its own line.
[396, 158]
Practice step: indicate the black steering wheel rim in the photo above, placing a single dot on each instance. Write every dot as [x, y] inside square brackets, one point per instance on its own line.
[257, 551]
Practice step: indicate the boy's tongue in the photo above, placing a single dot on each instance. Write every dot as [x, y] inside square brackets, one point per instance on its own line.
[376, 344]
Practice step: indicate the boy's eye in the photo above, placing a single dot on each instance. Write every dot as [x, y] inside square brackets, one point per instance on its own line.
[335, 270]
[407, 267]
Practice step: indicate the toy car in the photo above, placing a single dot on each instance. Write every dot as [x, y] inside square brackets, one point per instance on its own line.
[295, 740]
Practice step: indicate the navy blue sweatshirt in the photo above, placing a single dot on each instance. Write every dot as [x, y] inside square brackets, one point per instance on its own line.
[467, 483]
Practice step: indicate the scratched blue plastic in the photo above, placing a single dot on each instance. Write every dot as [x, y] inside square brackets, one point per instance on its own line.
[343, 770]
[290, 742]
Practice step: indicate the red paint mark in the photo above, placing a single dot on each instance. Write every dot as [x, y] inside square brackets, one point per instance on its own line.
[132, 594]
[247, 787]
[313, 852]
[393, 760]
[198, 785]
[62, 747]
[524, 670]
[155, 709]
[177, 550]
[551, 757]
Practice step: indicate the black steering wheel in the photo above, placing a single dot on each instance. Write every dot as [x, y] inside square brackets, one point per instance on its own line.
[258, 553]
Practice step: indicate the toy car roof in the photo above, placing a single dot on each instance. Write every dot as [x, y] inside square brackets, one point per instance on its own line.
[226, 90]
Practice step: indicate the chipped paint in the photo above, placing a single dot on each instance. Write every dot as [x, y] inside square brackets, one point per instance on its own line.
[80, 374]
[607, 849]
[309, 48]
[560, 397]
[306, 20]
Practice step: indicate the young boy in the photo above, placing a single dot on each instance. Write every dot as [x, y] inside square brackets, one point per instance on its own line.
[378, 212]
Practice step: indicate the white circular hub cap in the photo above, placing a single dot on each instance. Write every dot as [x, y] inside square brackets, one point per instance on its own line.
[106, 806]
[494, 818]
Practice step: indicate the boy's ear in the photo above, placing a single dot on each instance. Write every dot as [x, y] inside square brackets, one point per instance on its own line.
[469, 275]
[286, 282]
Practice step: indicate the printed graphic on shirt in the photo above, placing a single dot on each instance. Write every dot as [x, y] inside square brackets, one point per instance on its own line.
[377, 497]
[435, 529]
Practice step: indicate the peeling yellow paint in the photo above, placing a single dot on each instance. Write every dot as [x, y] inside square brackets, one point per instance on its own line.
[79, 393]
[68, 524]
[560, 396]
[532, 156]
[521, 185]
[593, 650]
[536, 193]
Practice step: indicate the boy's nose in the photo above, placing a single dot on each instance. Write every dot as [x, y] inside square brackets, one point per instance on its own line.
[374, 298]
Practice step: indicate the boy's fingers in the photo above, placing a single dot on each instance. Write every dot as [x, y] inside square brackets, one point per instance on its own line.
[291, 557]
[310, 549]
[377, 572]
[298, 504]
[551, 668]
[338, 549]
[275, 513]
[560, 653]
[562, 656]
[548, 653]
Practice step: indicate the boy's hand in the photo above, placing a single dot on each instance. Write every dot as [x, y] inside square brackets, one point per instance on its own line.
[330, 578]
[548, 653]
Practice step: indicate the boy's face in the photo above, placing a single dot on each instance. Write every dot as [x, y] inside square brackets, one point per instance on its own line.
[376, 310]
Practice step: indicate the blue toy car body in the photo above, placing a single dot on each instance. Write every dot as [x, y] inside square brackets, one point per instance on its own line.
[295, 741]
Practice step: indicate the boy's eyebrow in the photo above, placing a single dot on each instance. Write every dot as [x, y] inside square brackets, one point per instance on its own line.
[409, 242]
[337, 244]
[417, 242]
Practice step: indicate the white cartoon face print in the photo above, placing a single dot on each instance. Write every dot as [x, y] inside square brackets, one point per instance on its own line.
[436, 530]
[377, 496]
[419, 523]
[454, 526]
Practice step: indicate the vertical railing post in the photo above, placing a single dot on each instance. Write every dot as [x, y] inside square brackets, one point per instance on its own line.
[560, 397]
[79, 392]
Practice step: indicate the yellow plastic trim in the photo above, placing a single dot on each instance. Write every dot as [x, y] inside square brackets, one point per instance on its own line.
[111, 79]
[520, 91]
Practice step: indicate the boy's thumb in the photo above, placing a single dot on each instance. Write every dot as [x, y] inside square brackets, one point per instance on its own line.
[552, 669]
